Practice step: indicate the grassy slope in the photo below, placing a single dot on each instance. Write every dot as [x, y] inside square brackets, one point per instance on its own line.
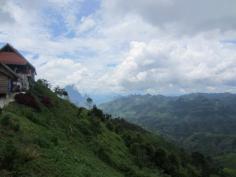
[63, 140]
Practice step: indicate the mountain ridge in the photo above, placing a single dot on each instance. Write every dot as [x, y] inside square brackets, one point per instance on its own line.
[197, 122]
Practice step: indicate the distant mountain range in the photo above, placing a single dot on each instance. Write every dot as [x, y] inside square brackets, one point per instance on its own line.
[198, 122]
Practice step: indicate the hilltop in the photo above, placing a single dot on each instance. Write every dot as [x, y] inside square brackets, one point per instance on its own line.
[44, 135]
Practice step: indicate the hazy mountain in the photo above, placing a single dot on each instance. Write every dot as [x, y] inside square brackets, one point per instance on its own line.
[78, 99]
[74, 95]
[198, 122]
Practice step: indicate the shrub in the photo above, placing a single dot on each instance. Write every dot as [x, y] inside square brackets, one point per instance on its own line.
[27, 99]
[55, 141]
[174, 160]
[10, 155]
[95, 126]
[46, 101]
[5, 121]
[84, 128]
[44, 82]
[11, 122]
[41, 141]
[140, 153]
[160, 157]
[110, 126]
[97, 112]
[103, 154]
[28, 154]
[32, 116]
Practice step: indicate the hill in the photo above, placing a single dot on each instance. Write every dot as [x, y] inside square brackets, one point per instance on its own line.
[43, 135]
[74, 96]
[197, 122]
[183, 118]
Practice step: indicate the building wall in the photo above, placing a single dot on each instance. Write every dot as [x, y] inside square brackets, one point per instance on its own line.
[4, 84]
[23, 78]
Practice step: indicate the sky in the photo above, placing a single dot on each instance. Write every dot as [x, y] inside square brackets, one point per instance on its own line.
[124, 47]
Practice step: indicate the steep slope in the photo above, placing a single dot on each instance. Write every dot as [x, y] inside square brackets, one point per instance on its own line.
[43, 135]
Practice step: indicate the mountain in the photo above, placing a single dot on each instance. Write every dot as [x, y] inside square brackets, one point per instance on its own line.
[80, 100]
[197, 122]
[74, 95]
[44, 135]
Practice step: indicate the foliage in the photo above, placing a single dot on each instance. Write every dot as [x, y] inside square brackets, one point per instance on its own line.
[10, 122]
[60, 91]
[64, 140]
[179, 117]
[197, 122]
[46, 101]
[27, 99]
[89, 102]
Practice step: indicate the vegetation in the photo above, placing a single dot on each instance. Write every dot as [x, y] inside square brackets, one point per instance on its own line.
[56, 138]
[197, 122]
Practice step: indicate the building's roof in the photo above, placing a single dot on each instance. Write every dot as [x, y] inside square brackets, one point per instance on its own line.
[9, 55]
[11, 58]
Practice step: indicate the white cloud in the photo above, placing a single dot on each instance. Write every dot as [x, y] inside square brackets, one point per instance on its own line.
[190, 64]
[182, 15]
[181, 46]
[61, 71]
[87, 23]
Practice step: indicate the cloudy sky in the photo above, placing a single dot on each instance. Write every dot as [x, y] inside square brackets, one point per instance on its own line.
[122, 47]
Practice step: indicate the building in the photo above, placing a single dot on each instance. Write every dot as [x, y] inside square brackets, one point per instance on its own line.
[16, 73]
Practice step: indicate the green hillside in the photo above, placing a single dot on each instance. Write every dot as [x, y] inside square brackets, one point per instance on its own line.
[188, 119]
[197, 122]
[43, 135]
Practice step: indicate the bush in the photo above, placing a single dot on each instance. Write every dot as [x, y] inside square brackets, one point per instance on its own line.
[28, 154]
[28, 100]
[9, 121]
[84, 127]
[32, 116]
[80, 110]
[103, 154]
[55, 141]
[95, 126]
[46, 101]
[10, 155]
[44, 82]
[42, 142]
[160, 156]
[97, 113]
[110, 126]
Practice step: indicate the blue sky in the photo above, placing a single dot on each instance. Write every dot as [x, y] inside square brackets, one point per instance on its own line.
[124, 47]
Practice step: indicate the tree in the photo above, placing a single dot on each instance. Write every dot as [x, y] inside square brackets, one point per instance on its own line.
[45, 83]
[89, 102]
[60, 91]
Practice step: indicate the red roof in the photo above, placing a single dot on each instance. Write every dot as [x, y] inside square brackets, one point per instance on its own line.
[11, 58]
